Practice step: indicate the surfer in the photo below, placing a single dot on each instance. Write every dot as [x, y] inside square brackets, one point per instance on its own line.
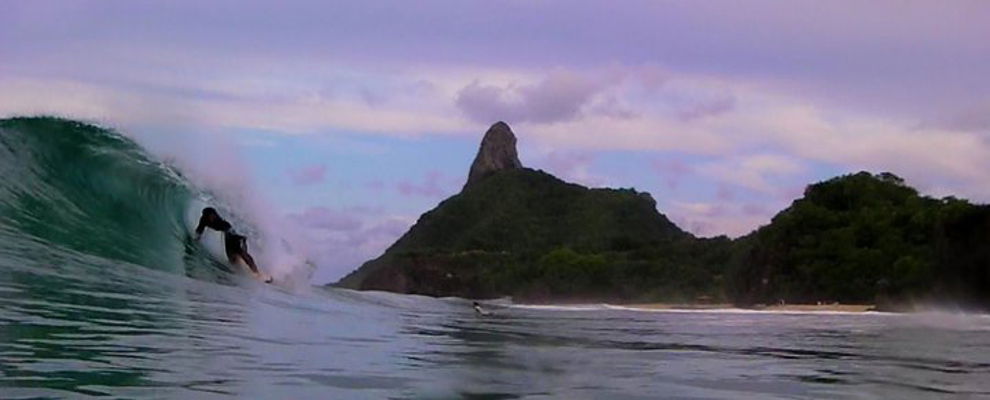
[234, 244]
[479, 310]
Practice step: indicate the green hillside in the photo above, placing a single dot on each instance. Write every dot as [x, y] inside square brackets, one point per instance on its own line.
[512, 231]
[864, 238]
[527, 233]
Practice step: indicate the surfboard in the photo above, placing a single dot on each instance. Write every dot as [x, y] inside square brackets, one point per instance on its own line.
[260, 276]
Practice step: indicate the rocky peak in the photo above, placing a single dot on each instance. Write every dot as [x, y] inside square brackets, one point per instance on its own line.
[497, 152]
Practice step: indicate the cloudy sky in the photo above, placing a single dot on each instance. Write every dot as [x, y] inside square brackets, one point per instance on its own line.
[352, 118]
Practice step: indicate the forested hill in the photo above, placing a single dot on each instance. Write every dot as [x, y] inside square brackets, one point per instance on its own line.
[513, 231]
[499, 237]
[522, 232]
[865, 238]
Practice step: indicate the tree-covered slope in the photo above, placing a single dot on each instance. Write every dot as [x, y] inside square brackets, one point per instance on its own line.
[511, 218]
[865, 238]
[513, 231]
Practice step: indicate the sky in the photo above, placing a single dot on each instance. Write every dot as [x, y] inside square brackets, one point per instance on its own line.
[352, 118]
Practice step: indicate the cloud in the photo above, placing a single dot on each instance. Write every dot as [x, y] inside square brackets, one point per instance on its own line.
[755, 209]
[924, 156]
[573, 166]
[673, 171]
[375, 185]
[760, 119]
[345, 237]
[326, 219]
[708, 109]
[974, 119]
[236, 103]
[308, 175]
[760, 107]
[922, 50]
[755, 172]
[558, 97]
[724, 193]
[712, 219]
[795, 132]
[701, 209]
[434, 185]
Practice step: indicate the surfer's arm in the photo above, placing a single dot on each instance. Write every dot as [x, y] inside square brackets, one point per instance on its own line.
[200, 228]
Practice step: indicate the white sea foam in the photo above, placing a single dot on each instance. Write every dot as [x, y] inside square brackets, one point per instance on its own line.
[744, 311]
[605, 306]
[561, 307]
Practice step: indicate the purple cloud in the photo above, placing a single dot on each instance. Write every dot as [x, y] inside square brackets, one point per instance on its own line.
[976, 119]
[672, 171]
[708, 109]
[433, 185]
[323, 218]
[558, 97]
[375, 185]
[924, 50]
[573, 166]
[308, 175]
[850, 84]
[346, 237]
[754, 210]
[566, 163]
[724, 193]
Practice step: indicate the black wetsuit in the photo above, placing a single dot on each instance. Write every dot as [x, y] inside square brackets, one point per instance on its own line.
[233, 243]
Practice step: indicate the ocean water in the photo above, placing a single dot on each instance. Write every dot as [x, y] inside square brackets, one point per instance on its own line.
[103, 295]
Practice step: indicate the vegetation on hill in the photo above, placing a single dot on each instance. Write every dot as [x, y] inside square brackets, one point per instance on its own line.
[853, 239]
[865, 238]
[526, 233]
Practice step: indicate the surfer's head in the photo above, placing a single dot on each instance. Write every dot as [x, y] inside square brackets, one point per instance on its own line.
[210, 212]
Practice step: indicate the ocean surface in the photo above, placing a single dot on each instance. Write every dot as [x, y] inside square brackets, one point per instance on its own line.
[104, 295]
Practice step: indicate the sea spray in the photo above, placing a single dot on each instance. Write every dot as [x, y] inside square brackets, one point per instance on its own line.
[213, 163]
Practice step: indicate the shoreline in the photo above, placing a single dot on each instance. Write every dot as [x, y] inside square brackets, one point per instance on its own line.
[834, 308]
[850, 308]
